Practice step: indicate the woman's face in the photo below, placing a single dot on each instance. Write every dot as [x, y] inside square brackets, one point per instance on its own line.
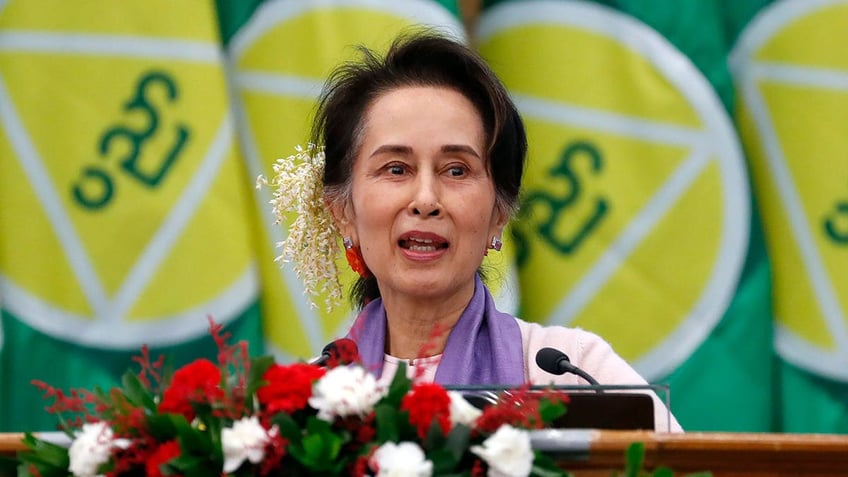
[423, 203]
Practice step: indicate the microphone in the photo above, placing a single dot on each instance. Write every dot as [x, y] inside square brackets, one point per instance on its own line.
[556, 362]
[340, 351]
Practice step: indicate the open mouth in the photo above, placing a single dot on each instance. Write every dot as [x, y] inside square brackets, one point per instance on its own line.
[418, 244]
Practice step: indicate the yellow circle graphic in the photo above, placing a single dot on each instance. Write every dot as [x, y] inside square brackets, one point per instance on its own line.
[635, 210]
[280, 60]
[120, 172]
[792, 76]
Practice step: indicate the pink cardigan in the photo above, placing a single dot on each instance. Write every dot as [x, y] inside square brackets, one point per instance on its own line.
[590, 353]
[586, 350]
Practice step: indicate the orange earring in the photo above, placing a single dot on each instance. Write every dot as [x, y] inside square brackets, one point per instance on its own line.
[354, 258]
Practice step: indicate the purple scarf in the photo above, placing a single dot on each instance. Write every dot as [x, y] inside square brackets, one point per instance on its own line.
[484, 346]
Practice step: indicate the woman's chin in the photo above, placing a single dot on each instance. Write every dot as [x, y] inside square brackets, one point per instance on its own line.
[430, 285]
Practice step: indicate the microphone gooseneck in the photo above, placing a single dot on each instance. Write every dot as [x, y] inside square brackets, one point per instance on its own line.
[556, 362]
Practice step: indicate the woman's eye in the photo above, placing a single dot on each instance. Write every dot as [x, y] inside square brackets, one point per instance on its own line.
[456, 171]
[395, 170]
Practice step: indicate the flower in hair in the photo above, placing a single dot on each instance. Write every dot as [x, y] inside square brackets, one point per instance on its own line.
[312, 240]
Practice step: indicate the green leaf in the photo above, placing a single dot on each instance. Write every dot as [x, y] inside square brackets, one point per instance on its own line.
[447, 452]
[103, 396]
[546, 471]
[25, 470]
[386, 418]
[194, 462]
[399, 387]
[444, 461]
[194, 441]
[320, 447]
[635, 458]
[544, 465]
[48, 460]
[162, 426]
[214, 426]
[136, 392]
[313, 446]
[167, 371]
[199, 471]
[258, 366]
[434, 438]
[193, 467]
[288, 428]
[318, 452]
[317, 426]
[185, 462]
[549, 410]
[213, 432]
[65, 426]
[178, 422]
[458, 439]
[44, 453]
[191, 440]
[663, 472]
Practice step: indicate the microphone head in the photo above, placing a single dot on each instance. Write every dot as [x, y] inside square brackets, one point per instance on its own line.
[340, 351]
[346, 350]
[551, 360]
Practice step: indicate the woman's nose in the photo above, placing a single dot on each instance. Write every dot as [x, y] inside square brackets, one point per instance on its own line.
[425, 200]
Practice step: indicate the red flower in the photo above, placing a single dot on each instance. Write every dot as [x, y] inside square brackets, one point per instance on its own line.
[289, 387]
[161, 456]
[360, 466]
[477, 469]
[198, 382]
[427, 402]
[275, 451]
[519, 408]
[366, 432]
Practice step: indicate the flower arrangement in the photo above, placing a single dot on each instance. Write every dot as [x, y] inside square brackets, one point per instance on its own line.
[254, 417]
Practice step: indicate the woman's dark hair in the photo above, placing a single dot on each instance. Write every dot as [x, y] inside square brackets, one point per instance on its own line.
[422, 58]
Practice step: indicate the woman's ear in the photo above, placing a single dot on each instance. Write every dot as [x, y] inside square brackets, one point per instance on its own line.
[342, 215]
[501, 218]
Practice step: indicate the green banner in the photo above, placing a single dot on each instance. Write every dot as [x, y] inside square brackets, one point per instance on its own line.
[124, 206]
[280, 55]
[637, 195]
[682, 199]
[792, 82]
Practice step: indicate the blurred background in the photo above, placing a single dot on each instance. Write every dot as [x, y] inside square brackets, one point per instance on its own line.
[686, 195]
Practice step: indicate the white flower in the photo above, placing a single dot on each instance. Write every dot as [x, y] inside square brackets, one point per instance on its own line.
[91, 448]
[311, 241]
[405, 459]
[462, 411]
[246, 440]
[507, 452]
[345, 391]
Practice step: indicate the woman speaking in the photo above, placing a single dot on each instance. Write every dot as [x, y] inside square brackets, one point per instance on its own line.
[423, 154]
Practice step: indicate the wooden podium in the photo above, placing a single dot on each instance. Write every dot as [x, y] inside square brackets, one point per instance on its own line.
[723, 454]
[594, 452]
